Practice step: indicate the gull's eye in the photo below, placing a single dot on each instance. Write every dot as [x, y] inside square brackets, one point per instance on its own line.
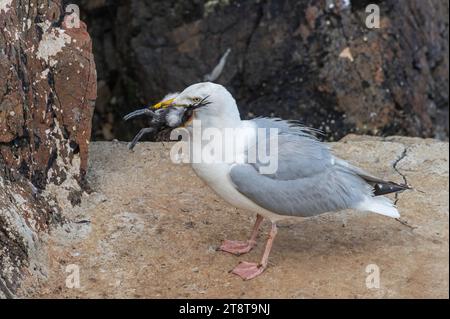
[196, 99]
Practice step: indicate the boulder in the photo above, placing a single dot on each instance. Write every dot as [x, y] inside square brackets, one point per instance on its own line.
[155, 226]
[313, 61]
[47, 96]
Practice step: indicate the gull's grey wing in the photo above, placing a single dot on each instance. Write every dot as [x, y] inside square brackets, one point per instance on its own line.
[300, 154]
[309, 180]
[332, 190]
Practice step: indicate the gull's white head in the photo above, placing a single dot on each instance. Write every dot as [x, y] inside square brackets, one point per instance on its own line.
[216, 106]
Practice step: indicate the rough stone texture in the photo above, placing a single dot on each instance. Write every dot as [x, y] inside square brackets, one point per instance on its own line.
[312, 60]
[47, 91]
[24, 217]
[154, 226]
[47, 95]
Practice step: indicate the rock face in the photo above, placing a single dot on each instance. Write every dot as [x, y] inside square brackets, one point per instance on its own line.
[47, 95]
[154, 228]
[48, 89]
[24, 216]
[314, 61]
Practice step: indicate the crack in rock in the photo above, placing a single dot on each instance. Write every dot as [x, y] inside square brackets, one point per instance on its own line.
[397, 161]
[405, 181]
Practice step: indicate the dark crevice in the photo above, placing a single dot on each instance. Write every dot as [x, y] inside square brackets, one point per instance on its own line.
[259, 17]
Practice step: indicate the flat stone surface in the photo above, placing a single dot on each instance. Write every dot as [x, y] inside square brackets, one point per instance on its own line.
[154, 227]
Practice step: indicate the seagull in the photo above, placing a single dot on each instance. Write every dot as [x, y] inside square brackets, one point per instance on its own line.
[309, 179]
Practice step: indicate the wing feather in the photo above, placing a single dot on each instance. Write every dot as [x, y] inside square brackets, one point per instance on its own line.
[309, 180]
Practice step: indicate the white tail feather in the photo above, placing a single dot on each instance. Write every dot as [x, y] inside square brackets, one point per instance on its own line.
[380, 205]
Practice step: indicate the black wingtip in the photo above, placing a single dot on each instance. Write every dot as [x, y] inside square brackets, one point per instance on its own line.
[388, 188]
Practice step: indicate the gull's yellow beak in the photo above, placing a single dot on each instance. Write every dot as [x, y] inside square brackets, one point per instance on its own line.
[163, 104]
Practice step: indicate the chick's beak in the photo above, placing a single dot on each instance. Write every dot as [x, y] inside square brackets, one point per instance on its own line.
[163, 104]
[149, 110]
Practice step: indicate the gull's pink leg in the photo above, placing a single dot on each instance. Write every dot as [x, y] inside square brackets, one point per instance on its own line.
[242, 247]
[247, 270]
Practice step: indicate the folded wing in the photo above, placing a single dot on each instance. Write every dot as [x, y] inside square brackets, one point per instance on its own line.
[309, 180]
